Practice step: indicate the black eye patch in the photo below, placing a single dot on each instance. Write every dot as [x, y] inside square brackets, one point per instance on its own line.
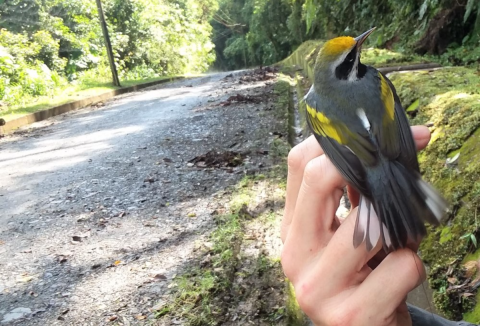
[344, 69]
[350, 57]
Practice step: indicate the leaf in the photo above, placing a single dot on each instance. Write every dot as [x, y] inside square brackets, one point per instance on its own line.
[423, 10]
[474, 240]
[452, 280]
[465, 236]
[469, 9]
[25, 279]
[117, 262]
[414, 106]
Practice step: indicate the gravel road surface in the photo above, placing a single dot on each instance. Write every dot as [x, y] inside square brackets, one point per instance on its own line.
[100, 208]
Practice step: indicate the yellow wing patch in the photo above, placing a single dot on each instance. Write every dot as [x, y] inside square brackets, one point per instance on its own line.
[324, 126]
[338, 45]
[387, 100]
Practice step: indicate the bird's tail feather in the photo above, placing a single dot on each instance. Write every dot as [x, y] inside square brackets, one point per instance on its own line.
[400, 204]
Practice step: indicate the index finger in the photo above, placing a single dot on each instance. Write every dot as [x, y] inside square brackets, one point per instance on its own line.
[399, 273]
[298, 158]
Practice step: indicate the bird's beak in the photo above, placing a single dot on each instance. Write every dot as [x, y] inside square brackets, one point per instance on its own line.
[360, 39]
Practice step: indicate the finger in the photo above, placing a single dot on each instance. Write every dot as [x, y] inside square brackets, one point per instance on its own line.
[421, 135]
[314, 215]
[298, 158]
[387, 286]
[353, 260]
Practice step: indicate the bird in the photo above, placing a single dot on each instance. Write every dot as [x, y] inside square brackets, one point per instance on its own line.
[357, 118]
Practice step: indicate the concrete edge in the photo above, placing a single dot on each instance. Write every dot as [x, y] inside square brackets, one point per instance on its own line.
[14, 124]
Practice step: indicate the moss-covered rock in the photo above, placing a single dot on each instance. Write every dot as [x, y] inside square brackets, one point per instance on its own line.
[449, 99]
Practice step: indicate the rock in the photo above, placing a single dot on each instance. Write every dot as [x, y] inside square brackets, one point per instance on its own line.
[471, 268]
[159, 306]
[15, 314]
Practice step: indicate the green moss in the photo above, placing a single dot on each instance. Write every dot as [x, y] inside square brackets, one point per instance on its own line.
[450, 99]
[474, 315]
[446, 235]
[295, 315]
[472, 256]
[305, 55]
[386, 58]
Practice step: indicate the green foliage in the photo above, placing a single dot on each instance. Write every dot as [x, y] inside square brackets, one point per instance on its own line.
[251, 32]
[45, 44]
[274, 28]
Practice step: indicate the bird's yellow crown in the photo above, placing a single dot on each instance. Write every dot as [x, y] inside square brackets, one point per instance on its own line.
[338, 45]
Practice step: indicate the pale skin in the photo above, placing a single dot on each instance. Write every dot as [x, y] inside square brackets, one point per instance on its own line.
[333, 283]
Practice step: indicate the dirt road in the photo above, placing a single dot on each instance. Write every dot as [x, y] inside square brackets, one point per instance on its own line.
[101, 208]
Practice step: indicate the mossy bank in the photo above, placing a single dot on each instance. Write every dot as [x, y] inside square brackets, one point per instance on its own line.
[448, 100]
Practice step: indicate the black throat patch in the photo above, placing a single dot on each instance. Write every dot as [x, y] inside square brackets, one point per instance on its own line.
[345, 68]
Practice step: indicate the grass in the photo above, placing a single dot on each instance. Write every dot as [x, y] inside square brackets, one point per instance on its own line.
[201, 289]
[66, 94]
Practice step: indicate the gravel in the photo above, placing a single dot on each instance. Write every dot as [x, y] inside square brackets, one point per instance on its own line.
[100, 208]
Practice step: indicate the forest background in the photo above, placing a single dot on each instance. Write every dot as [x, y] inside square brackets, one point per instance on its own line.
[50, 46]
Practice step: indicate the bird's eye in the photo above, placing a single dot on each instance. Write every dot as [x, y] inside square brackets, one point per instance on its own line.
[349, 57]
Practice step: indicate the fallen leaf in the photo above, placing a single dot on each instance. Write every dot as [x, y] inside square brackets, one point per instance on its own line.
[452, 280]
[471, 268]
[117, 262]
[192, 214]
[112, 318]
[25, 279]
[159, 277]
[149, 179]
[140, 317]
[62, 259]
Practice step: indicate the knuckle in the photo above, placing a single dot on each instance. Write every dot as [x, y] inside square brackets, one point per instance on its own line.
[413, 271]
[313, 172]
[305, 299]
[295, 158]
[343, 317]
[414, 268]
[287, 259]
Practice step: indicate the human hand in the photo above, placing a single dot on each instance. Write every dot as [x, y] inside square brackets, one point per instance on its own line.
[333, 283]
